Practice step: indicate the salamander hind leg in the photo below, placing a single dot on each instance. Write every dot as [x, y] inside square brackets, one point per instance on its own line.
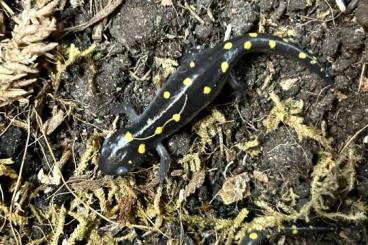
[237, 86]
[165, 161]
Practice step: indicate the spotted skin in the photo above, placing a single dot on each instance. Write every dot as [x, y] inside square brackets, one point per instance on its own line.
[258, 237]
[196, 82]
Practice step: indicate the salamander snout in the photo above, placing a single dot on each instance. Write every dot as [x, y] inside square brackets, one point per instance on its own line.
[118, 155]
[109, 163]
[111, 167]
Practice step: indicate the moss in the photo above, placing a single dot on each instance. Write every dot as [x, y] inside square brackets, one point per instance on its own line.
[73, 55]
[58, 221]
[6, 170]
[191, 162]
[207, 128]
[286, 112]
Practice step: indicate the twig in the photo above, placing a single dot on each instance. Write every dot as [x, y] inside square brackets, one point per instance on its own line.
[362, 77]
[8, 10]
[226, 168]
[353, 137]
[2, 200]
[39, 122]
[332, 13]
[195, 15]
[103, 13]
[20, 174]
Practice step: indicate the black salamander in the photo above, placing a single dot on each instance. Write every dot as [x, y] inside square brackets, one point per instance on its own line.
[257, 237]
[196, 82]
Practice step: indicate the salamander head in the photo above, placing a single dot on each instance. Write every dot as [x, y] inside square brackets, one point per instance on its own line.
[120, 154]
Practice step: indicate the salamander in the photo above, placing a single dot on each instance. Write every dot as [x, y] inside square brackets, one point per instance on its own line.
[256, 237]
[196, 82]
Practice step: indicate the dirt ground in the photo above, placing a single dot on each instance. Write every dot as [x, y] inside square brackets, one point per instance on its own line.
[294, 151]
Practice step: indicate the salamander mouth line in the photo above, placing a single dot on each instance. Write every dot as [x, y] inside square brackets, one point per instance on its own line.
[168, 121]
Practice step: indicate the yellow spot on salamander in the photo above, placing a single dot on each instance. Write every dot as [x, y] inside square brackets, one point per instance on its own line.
[253, 34]
[228, 45]
[206, 90]
[192, 64]
[129, 137]
[167, 95]
[158, 130]
[294, 230]
[142, 149]
[224, 66]
[130, 162]
[253, 236]
[302, 55]
[187, 81]
[247, 45]
[313, 61]
[176, 117]
[272, 44]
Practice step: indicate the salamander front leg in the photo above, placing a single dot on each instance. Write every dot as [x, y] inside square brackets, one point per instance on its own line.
[125, 108]
[238, 87]
[165, 161]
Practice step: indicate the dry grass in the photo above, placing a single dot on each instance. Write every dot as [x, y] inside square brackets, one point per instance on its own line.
[19, 55]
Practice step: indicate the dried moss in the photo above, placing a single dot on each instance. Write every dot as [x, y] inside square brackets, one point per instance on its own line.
[191, 162]
[73, 55]
[6, 170]
[19, 55]
[207, 128]
[286, 112]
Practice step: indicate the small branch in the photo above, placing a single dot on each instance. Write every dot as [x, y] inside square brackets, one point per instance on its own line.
[106, 11]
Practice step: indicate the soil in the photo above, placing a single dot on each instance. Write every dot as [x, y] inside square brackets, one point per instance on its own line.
[125, 70]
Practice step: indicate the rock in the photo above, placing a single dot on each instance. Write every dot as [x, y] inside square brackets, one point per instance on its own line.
[295, 5]
[243, 17]
[266, 5]
[352, 37]
[362, 13]
[137, 22]
[331, 46]
[179, 144]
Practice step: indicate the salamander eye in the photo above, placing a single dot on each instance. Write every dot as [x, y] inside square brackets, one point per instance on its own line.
[121, 170]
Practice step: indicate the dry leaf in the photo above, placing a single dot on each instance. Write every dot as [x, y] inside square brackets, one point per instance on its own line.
[194, 184]
[51, 124]
[235, 188]
[54, 177]
[166, 2]
[11, 93]
[365, 84]
[260, 176]
[287, 84]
